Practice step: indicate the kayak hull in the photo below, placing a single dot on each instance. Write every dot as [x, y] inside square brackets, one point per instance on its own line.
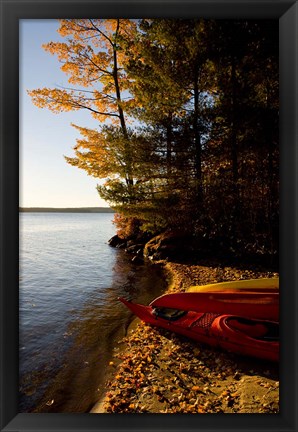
[216, 330]
[245, 304]
[253, 285]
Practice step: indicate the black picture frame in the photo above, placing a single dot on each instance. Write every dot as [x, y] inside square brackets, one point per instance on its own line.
[14, 10]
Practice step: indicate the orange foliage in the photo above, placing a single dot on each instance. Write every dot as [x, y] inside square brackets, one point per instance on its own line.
[126, 226]
[92, 60]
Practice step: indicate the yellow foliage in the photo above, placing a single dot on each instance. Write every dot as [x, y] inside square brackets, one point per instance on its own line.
[56, 100]
[91, 59]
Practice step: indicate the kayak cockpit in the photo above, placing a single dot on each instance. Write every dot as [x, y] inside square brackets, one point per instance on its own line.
[261, 330]
[168, 313]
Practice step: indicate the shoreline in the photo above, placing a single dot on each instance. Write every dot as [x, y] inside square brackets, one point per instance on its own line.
[155, 371]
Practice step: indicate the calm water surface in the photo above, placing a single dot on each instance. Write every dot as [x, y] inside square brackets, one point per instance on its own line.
[70, 318]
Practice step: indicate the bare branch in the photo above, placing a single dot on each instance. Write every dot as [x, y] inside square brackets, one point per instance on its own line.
[101, 32]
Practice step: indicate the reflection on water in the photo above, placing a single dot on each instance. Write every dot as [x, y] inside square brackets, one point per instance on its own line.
[71, 380]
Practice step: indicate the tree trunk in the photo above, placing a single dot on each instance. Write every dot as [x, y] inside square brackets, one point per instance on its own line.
[169, 146]
[128, 161]
[236, 211]
[197, 137]
[272, 186]
[234, 149]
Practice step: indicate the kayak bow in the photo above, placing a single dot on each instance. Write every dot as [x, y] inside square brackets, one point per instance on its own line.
[250, 337]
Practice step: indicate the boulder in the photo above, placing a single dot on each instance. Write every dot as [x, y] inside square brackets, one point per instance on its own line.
[135, 249]
[137, 260]
[116, 241]
[130, 243]
[121, 245]
[168, 245]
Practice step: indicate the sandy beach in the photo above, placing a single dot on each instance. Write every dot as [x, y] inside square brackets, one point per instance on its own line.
[155, 371]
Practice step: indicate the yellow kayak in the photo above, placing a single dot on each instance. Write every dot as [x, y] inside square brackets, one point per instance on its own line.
[265, 284]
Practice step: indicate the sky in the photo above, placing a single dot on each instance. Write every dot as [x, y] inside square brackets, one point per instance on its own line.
[46, 180]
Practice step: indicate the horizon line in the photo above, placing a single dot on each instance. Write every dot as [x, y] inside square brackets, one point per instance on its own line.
[39, 209]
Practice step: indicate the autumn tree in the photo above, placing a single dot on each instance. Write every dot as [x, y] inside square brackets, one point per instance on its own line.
[159, 100]
[91, 56]
[170, 82]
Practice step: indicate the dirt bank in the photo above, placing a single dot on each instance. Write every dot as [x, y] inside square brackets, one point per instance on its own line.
[154, 371]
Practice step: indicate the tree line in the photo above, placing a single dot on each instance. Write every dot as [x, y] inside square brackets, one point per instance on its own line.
[187, 136]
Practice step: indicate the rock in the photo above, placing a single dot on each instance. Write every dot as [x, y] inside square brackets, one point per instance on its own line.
[168, 245]
[237, 376]
[121, 245]
[137, 260]
[135, 248]
[116, 241]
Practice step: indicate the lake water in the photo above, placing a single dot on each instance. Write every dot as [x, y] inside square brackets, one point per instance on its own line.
[70, 318]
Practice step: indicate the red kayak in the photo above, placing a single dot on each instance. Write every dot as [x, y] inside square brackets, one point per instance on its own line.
[246, 304]
[249, 337]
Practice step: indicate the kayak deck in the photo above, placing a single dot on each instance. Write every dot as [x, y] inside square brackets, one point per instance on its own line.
[256, 338]
[246, 304]
[253, 285]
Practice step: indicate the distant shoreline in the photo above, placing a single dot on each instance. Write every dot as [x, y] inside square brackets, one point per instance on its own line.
[66, 210]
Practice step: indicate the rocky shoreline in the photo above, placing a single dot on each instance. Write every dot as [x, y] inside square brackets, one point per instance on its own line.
[154, 371]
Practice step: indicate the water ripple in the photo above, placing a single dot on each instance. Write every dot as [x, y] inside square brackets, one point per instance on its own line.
[69, 314]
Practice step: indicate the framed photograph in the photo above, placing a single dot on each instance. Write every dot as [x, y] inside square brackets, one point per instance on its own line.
[186, 195]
